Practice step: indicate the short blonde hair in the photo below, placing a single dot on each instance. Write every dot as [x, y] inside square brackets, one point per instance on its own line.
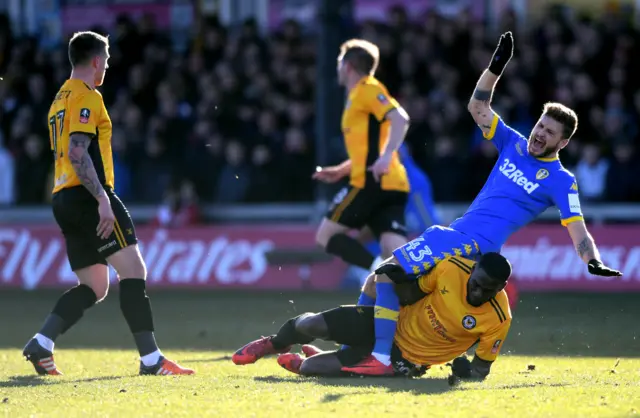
[363, 55]
[83, 46]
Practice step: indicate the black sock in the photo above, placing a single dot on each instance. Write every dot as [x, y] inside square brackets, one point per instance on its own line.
[287, 335]
[68, 310]
[350, 250]
[136, 308]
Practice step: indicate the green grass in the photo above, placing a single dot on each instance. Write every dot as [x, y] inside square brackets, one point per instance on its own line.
[574, 341]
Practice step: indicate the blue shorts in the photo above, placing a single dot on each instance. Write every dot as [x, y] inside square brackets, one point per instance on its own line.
[432, 246]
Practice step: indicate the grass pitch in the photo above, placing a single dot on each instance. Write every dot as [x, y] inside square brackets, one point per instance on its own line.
[585, 349]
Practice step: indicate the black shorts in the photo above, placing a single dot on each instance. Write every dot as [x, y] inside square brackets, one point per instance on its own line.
[380, 210]
[354, 326]
[76, 213]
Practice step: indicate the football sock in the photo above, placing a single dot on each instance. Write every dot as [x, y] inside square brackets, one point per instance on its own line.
[136, 308]
[44, 342]
[67, 311]
[151, 359]
[288, 335]
[350, 251]
[366, 300]
[386, 314]
[363, 300]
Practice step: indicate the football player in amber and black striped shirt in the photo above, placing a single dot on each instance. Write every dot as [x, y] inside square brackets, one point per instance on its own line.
[96, 225]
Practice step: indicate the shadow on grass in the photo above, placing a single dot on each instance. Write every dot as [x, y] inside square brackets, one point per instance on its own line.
[32, 381]
[207, 360]
[524, 385]
[420, 386]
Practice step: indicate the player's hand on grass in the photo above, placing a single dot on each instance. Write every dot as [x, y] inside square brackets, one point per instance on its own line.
[107, 218]
[380, 167]
[502, 55]
[329, 174]
[597, 268]
[461, 367]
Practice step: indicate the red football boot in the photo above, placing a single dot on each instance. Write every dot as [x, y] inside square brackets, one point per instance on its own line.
[370, 366]
[291, 362]
[255, 350]
[310, 350]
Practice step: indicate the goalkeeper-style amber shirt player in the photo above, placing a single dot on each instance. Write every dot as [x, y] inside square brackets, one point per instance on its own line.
[459, 303]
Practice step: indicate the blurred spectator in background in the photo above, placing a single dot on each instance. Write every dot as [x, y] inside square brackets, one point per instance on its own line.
[7, 174]
[179, 208]
[623, 176]
[235, 116]
[591, 173]
[32, 170]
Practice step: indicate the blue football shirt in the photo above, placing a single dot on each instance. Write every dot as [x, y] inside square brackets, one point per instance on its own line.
[519, 188]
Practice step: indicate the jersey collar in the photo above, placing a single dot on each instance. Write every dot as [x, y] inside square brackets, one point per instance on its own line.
[547, 159]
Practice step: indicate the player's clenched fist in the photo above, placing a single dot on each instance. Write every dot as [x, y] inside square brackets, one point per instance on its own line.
[502, 54]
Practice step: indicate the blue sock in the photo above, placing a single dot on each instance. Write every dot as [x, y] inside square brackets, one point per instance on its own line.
[387, 310]
[363, 300]
[366, 300]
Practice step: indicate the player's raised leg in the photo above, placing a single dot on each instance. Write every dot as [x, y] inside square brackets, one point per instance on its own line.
[332, 235]
[388, 224]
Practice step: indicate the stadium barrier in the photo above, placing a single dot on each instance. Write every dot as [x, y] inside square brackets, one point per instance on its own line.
[220, 257]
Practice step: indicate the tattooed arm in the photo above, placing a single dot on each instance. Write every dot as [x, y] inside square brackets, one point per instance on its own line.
[83, 166]
[583, 241]
[480, 103]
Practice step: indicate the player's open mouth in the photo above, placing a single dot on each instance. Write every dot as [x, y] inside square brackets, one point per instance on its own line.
[538, 144]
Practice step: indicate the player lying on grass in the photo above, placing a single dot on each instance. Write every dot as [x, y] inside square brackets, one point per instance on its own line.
[446, 311]
[527, 179]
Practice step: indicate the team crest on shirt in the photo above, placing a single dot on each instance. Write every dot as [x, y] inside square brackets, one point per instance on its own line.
[574, 187]
[469, 322]
[383, 99]
[84, 115]
[542, 174]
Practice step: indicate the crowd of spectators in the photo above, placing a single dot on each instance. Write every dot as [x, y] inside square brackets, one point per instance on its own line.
[232, 119]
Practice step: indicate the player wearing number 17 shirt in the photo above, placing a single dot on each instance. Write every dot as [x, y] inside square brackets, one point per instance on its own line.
[96, 226]
[527, 179]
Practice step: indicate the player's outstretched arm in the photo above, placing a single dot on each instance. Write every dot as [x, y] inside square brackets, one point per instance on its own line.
[480, 102]
[587, 250]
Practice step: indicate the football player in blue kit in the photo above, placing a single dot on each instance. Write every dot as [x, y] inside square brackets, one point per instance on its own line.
[527, 179]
